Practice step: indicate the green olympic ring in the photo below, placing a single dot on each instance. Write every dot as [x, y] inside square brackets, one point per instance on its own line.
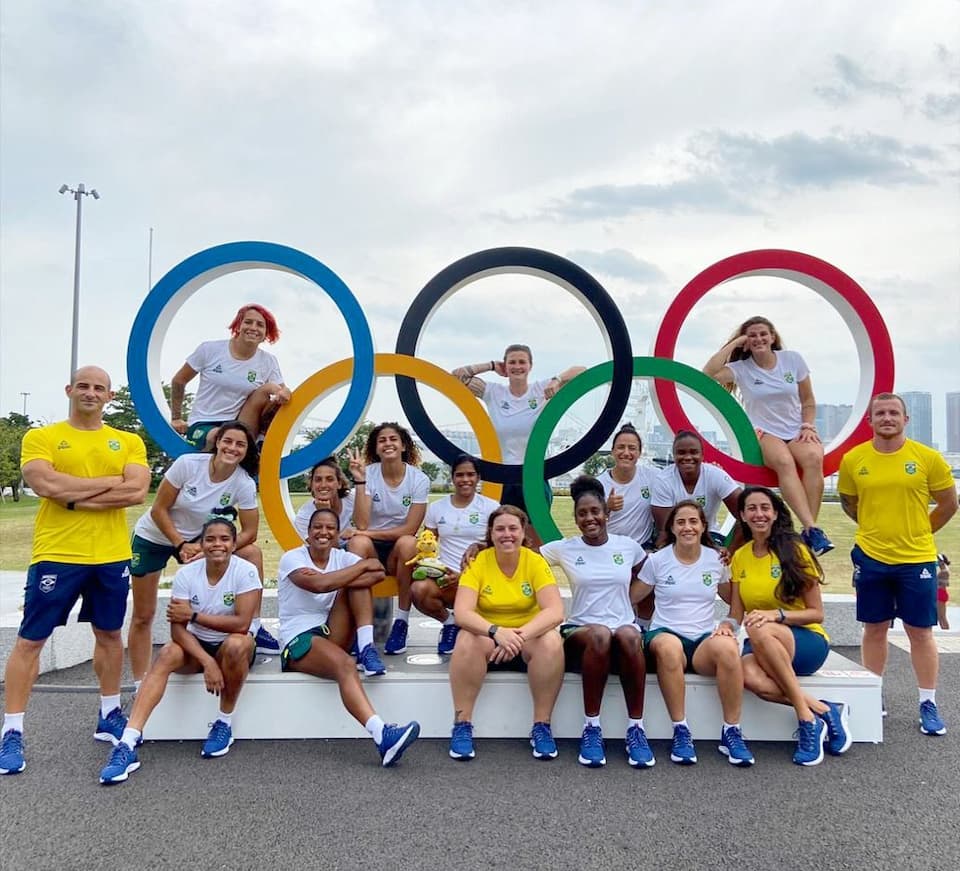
[704, 388]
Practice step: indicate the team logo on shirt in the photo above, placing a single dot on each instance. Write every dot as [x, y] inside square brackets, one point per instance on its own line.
[788, 377]
[504, 406]
[702, 501]
[618, 558]
[863, 471]
[229, 599]
[474, 517]
[925, 575]
[376, 497]
[191, 491]
[669, 581]
[645, 492]
[47, 583]
[910, 468]
[526, 589]
[580, 561]
[194, 599]
[225, 499]
[251, 375]
[406, 501]
[63, 446]
[487, 590]
[707, 578]
[532, 403]
[218, 369]
[113, 444]
[775, 572]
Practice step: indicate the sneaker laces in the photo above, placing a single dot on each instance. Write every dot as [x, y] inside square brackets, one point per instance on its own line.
[462, 730]
[447, 633]
[734, 739]
[929, 710]
[635, 738]
[219, 731]
[12, 742]
[592, 737]
[541, 732]
[682, 738]
[806, 736]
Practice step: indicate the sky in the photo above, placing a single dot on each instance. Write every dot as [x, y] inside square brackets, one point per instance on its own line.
[643, 141]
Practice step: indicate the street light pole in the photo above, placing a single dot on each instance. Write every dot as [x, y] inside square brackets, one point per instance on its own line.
[78, 194]
[24, 395]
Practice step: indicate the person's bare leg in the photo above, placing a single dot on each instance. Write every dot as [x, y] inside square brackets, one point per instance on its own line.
[140, 635]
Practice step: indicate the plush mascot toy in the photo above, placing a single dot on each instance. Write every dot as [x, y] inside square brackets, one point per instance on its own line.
[425, 559]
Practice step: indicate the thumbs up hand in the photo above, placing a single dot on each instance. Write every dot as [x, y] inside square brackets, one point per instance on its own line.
[614, 502]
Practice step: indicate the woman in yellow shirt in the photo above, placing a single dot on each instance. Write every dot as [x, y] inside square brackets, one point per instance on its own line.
[776, 594]
[508, 608]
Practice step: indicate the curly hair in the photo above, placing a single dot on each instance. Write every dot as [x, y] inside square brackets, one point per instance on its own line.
[705, 539]
[799, 567]
[410, 453]
[273, 331]
[251, 460]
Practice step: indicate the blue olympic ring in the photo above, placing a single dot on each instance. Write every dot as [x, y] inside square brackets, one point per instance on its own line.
[181, 282]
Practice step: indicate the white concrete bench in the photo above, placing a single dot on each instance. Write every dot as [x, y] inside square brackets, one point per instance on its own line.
[277, 705]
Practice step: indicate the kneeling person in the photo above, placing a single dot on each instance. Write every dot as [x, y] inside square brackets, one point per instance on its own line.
[321, 591]
[211, 605]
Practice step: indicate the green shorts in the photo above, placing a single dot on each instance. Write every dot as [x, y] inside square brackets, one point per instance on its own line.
[196, 434]
[690, 646]
[299, 646]
[149, 557]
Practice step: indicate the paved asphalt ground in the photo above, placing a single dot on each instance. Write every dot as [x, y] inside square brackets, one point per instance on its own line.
[328, 804]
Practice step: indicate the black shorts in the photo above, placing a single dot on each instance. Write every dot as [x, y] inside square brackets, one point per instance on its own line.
[211, 648]
[383, 549]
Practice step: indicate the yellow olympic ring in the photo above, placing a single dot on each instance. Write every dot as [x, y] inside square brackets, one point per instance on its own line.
[274, 495]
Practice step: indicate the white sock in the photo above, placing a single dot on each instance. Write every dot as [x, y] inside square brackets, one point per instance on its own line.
[375, 727]
[130, 737]
[403, 615]
[364, 636]
[108, 703]
[727, 725]
[591, 721]
[226, 718]
[631, 723]
[136, 686]
[928, 695]
[682, 722]
[450, 621]
[12, 721]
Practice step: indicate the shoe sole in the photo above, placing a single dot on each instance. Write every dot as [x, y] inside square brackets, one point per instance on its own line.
[217, 753]
[396, 652]
[13, 770]
[367, 673]
[392, 756]
[634, 763]
[683, 760]
[592, 763]
[120, 778]
[845, 723]
[933, 733]
[463, 757]
[742, 763]
[538, 755]
[106, 737]
[268, 651]
[811, 762]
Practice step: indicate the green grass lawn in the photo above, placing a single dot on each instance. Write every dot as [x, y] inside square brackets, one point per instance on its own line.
[17, 518]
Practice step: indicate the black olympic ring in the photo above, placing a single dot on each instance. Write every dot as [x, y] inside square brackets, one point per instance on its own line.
[566, 274]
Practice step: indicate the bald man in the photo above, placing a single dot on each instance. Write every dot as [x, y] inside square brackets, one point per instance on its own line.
[86, 474]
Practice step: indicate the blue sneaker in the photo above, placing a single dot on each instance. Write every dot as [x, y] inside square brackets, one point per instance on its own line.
[448, 638]
[816, 539]
[591, 748]
[639, 754]
[541, 739]
[397, 642]
[734, 747]
[123, 762]
[930, 722]
[811, 737]
[110, 728]
[369, 662]
[461, 741]
[837, 719]
[682, 750]
[266, 643]
[395, 740]
[11, 752]
[218, 741]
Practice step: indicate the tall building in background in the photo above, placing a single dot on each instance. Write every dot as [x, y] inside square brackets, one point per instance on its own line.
[953, 422]
[830, 419]
[920, 409]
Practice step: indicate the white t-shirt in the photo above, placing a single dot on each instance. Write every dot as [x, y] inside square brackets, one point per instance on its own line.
[635, 519]
[299, 609]
[600, 577]
[302, 521]
[684, 594]
[225, 382]
[190, 583]
[389, 506]
[712, 487]
[513, 417]
[458, 528]
[198, 497]
[771, 397]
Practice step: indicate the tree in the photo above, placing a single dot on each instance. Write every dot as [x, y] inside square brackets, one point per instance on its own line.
[12, 429]
[356, 442]
[598, 463]
[432, 470]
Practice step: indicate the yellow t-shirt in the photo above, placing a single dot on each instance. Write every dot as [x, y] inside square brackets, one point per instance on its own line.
[758, 579]
[510, 602]
[82, 537]
[893, 499]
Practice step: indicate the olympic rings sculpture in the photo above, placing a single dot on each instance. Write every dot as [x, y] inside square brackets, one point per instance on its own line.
[874, 348]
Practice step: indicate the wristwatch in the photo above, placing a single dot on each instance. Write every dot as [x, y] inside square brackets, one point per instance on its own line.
[493, 630]
[193, 617]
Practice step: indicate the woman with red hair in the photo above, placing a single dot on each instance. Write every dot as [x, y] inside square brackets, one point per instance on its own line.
[238, 380]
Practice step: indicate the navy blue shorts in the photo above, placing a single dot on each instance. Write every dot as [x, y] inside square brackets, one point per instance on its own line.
[885, 592]
[810, 650]
[52, 589]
